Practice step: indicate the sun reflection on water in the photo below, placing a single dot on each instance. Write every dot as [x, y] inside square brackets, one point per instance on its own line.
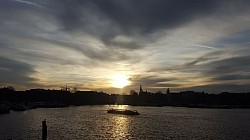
[122, 107]
[119, 124]
[119, 106]
[120, 129]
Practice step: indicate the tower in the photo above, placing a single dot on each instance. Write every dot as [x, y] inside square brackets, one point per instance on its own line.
[141, 91]
[168, 91]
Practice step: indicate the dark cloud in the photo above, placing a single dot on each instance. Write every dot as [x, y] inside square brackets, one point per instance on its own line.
[216, 70]
[150, 80]
[233, 77]
[233, 68]
[15, 72]
[139, 15]
[212, 56]
[217, 88]
[226, 70]
[195, 65]
[230, 65]
[166, 85]
[211, 64]
[133, 18]
[148, 16]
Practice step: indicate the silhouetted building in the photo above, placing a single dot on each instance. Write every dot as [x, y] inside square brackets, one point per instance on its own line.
[141, 92]
[60, 98]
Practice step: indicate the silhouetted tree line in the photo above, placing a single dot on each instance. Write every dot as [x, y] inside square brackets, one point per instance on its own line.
[187, 98]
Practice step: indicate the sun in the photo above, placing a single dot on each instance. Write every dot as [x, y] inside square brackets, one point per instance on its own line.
[120, 80]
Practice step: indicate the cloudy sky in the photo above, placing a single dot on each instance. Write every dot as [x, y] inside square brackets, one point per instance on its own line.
[201, 45]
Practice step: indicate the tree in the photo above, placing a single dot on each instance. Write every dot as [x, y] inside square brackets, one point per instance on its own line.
[132, 92]
[159, 92]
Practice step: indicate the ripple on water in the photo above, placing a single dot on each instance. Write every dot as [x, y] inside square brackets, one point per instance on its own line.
[93, 122]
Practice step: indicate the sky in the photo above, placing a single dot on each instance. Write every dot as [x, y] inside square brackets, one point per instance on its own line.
[116, 45]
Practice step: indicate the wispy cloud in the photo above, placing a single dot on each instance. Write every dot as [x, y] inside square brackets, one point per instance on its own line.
[208, 47]
[29, 3]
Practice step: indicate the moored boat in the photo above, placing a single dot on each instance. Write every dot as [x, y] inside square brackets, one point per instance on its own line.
[123, 111]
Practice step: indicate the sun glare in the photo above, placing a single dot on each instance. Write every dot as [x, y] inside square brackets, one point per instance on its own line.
[119, 81]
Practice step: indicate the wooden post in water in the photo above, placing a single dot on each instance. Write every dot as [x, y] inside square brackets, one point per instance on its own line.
[44, 129]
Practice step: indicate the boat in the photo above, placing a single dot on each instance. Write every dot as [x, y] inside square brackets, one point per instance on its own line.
[123, 111]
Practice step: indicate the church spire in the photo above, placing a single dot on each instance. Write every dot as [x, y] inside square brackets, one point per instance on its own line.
[141, 91]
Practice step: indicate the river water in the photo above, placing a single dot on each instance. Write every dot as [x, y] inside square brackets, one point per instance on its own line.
[93, 122]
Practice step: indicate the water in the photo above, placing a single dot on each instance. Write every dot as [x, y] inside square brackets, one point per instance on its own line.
[93, 122]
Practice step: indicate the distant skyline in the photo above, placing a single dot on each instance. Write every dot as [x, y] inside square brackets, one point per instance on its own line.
[116, 45]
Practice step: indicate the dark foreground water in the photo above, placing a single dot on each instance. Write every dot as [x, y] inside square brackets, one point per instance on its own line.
[93, 122]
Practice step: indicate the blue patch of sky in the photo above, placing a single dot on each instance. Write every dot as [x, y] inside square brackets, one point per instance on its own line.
[237, 38]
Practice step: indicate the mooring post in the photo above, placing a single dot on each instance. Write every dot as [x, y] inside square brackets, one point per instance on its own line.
[44, 129]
